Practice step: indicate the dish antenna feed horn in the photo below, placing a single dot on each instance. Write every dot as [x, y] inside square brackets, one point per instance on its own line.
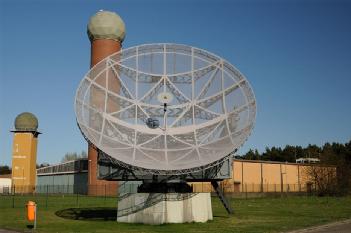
[154, 123]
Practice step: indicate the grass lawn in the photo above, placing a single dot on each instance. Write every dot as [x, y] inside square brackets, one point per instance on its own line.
[251, 215]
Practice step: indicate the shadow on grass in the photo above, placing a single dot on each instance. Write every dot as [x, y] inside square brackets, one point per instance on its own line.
[91, 214]
[222, 216]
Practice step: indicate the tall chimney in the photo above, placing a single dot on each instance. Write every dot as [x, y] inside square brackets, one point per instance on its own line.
[106, 31]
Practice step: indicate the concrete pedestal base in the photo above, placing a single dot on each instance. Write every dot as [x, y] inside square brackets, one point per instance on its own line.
[159, 208]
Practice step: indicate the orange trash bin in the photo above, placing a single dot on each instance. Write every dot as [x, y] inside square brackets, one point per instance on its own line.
[31, 209]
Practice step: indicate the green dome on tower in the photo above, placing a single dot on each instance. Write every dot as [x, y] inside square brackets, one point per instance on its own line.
[106, 25]
[26, 121]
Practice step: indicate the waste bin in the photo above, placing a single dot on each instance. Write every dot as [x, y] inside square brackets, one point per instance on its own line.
[31, 210]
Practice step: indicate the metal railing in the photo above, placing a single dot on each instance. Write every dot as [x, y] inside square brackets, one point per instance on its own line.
[112, 189]
[108, 195]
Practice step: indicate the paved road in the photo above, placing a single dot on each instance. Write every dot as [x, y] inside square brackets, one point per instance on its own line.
[338, 227]
[7, 231]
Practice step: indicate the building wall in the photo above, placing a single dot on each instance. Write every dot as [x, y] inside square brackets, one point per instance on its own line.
[257, 176]
[262, 176]
[63, 183]
[72, 177]
[24, 157]
[5, 185]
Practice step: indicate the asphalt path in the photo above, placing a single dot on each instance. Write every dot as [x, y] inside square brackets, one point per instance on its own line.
[337, 227]
[7, 231]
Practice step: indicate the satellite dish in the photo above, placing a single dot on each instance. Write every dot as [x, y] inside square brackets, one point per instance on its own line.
[210, 113]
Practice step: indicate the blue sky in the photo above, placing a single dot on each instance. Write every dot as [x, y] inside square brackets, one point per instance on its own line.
[295, 54]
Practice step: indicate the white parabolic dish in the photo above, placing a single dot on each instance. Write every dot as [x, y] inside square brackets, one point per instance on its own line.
[211, 113]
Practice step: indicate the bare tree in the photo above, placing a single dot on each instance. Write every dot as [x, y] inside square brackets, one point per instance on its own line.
[73, 156]
[324, 179]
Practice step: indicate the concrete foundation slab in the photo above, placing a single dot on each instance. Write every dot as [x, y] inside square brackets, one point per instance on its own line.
[160, 208]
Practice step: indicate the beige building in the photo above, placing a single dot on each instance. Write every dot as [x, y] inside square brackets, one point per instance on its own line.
[263, 176]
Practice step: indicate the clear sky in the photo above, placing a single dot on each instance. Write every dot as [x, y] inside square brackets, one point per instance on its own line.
[295, 54]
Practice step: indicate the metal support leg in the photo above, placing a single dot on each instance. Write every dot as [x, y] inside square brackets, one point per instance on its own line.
[221, 196]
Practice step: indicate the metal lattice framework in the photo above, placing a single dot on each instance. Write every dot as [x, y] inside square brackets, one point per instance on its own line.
[211, 112]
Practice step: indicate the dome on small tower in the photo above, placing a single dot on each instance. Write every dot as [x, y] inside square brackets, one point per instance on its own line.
[26, 121]
[106, 25]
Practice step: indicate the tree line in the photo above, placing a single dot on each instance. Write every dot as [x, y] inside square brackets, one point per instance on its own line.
[73, 156]
[328, 153]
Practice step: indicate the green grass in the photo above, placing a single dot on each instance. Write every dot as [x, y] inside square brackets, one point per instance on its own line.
[251, 215]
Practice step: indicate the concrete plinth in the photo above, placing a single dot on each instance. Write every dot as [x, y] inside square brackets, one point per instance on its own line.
[160, 208]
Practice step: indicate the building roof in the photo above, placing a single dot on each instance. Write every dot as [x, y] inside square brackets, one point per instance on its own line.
[73, 166]
[266, 161]
[307, 160]
[6, 176]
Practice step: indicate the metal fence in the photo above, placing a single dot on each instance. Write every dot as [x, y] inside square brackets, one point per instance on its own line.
[255, 188]
[107, 195]
[57, 201]
[91, 190]
[132, 187]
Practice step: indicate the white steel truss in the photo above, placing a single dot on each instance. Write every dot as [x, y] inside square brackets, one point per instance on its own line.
[211, 114]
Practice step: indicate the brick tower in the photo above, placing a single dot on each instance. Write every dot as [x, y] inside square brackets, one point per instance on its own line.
[106, 31]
